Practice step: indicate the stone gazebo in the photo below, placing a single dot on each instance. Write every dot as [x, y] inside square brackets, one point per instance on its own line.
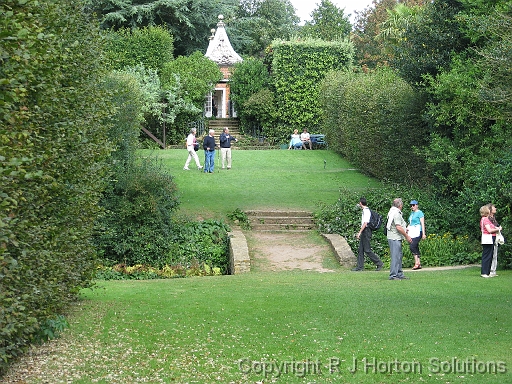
[220, 51]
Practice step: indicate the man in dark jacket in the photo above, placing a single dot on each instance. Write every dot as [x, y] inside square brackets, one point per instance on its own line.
[225, 147]
[209, 151]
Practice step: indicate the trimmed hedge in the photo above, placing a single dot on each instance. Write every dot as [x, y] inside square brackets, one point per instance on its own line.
[53, 146]
[374, 121]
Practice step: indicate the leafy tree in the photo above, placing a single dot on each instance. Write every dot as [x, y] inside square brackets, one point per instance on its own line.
[370, 51]
[258, 22]
[431, 38]
[495, 60]
[196, 75]
[328, 23]
[248, 78]
[188, 21]
[150, 46]
[53, 150]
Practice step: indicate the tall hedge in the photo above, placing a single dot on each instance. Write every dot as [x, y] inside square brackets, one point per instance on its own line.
[52, 151]
[298, 67]
[374, 120]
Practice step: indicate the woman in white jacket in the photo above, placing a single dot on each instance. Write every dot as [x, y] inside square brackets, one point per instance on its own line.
[191, 142]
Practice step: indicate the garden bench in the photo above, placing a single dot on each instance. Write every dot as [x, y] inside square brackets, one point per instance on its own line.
[318, 141]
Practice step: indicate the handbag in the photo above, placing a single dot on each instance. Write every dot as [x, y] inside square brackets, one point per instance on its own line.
[487, 238]
[500, 239]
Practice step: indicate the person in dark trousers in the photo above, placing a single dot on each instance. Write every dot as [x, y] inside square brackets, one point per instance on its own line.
[209, 151]
[225, 147]
[365, 236]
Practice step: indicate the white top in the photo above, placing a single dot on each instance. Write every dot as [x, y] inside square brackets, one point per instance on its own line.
[365, 217]
[190, 140]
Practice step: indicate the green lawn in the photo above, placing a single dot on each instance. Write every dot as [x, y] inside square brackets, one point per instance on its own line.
[285, 327]
[438, 327]
[262, 179]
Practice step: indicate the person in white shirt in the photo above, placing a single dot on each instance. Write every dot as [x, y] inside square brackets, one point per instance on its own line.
[364, 236]
[306, 139]
[191, 142]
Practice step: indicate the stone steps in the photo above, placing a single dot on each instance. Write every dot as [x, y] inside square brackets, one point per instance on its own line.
[219, 124]
[273, 220]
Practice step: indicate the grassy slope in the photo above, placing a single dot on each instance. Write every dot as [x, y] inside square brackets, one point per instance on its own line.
[262, 179]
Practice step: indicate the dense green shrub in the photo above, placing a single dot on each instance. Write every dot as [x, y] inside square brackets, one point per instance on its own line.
[204, 243]
[138, 221]
[150, 46]
[53, 147]
[248, 78]
[374, 120]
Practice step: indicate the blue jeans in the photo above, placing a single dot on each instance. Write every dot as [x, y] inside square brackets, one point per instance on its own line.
[209, 161]
[395, 249]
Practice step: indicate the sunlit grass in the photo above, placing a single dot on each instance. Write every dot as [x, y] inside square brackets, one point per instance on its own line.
[227, 329]
[277, 179]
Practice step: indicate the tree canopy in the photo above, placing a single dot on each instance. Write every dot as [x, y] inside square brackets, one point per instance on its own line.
[328, 23]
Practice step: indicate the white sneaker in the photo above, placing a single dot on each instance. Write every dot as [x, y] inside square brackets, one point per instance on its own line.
[200, 167]
[486, 276]
[186, 169]
[492, 274]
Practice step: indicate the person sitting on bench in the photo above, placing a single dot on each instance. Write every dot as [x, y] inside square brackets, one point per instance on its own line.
[306, 139]
[296, 142]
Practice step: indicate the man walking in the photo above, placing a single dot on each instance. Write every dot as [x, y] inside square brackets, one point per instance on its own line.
[209, 151]
[364, 236]
[396, 227]
[225, 147]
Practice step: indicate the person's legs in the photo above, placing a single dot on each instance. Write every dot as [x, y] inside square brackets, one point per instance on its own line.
[223, 154]
[366, 239]
[494, 262]
[196, 158]
[414, 247]
[486, 258]
[212, 161]
[187, 163]
[208, 160]
[395, 249]
[360, 256]
[228, 155]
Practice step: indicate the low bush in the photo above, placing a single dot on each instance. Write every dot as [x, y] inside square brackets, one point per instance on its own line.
[203, 243]
[146, 272]
[438, 250]
[138, 225]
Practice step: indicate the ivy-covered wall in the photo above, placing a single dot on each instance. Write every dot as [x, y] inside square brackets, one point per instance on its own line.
[298, 67]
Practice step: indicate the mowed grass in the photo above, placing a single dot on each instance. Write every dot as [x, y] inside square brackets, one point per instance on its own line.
[291, 327]
[283, 327]
[272, 179]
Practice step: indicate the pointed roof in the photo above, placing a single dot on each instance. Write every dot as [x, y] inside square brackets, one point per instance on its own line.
[219, 48]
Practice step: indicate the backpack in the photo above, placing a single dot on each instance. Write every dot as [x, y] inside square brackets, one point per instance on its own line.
[375, 220]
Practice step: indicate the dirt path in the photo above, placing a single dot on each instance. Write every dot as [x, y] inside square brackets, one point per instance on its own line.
[286, 251]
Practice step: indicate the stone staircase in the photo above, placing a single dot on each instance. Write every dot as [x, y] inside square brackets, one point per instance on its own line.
[272, 220]
[219, 124]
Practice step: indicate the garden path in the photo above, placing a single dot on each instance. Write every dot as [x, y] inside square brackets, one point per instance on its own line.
[273, 251]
